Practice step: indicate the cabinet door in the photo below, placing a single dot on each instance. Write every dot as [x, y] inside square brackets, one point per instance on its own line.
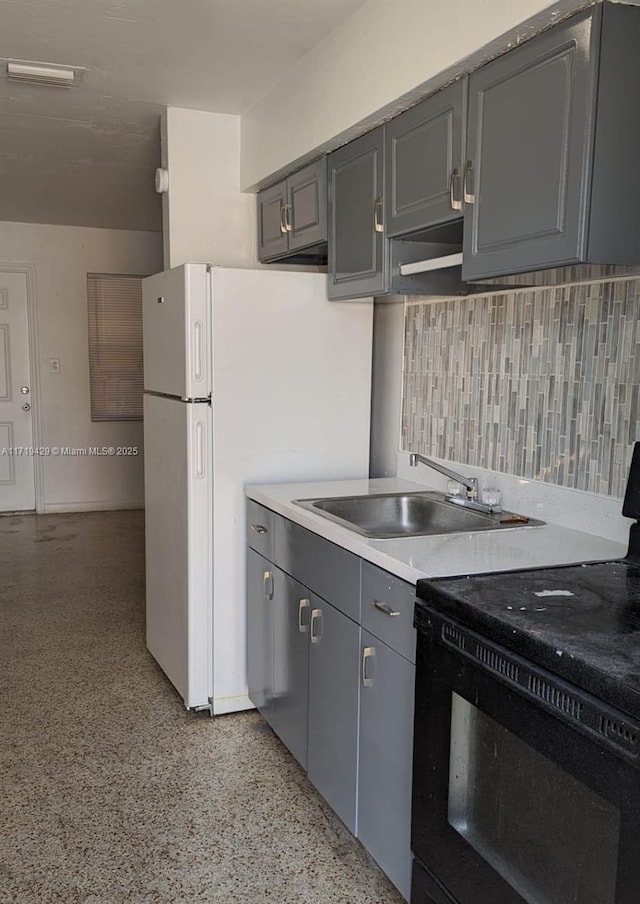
[307, 200]
[333, 708]
[358, 249]
[385, 758]
[272, 233]
[423, 161]
[530, 153]
[260, 605]
[289, 707]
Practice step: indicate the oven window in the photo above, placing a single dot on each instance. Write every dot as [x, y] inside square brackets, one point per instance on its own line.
[551, 837]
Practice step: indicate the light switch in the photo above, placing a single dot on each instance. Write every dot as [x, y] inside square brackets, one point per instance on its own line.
[54, 365]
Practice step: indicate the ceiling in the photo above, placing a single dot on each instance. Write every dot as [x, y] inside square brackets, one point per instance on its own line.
[86, 155]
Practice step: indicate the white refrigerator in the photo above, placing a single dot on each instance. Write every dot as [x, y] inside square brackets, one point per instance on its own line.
[250, 376]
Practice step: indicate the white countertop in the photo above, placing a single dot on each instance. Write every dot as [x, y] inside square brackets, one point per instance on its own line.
[443, 555]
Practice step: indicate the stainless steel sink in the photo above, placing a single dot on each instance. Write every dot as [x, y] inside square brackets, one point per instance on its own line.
[418, 514]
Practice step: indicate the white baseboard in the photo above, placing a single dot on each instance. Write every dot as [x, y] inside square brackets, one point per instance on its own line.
[224, 705]
[51, 508]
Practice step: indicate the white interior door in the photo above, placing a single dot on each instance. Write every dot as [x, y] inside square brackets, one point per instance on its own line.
[17, 487]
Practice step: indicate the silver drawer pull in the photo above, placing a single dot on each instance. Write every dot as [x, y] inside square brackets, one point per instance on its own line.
[259, 528]
[367, 654]
[267, 585]
[303, 606]
[385, 609]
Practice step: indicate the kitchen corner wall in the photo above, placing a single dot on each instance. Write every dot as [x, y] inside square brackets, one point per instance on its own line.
[540, 383]
[61, 257]
[205, 215]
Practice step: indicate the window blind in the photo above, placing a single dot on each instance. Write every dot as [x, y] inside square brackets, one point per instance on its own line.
[115, 346]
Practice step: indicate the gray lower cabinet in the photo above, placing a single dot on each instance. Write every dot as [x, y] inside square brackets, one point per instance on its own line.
[288, 711]
[333, 708]
[339, 696]
[260, 594]
[424, 156]
[279, 612]
[385, 758]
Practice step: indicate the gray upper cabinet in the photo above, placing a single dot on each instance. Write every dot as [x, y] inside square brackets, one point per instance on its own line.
[552, 130]
[307, 205]
[272, 231]
[357, 244]
[363, 260]
[292, 215]
[424, 156]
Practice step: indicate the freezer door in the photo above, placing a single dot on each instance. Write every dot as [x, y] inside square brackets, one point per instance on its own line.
[178, 526]
[176, 333]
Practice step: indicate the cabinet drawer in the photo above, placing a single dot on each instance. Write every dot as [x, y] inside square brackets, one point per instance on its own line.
[260, 529]
[382, 595]
[330, 571]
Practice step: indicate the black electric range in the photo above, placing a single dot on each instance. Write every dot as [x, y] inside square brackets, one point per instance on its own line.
[528, 702]
[581, 622]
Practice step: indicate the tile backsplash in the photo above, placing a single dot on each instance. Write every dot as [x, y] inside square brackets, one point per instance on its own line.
[542, 383]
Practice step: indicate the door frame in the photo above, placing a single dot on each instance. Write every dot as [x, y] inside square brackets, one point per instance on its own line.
[29, 271]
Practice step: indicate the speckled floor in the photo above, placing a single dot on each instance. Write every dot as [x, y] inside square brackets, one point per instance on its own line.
[110, 792]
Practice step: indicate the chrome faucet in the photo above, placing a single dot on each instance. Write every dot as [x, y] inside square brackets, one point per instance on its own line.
[470, 500]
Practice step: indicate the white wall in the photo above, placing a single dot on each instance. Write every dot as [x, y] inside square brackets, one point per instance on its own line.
[205, 215]
[386, 386]
[385, 55]
[62, 257]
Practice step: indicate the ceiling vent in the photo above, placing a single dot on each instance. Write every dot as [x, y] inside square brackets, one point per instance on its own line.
[43, 73]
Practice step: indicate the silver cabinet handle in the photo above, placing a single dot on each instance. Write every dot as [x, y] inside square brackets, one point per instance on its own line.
[454, 197]
[267, 585]
[287, 220]
[259, 528]
[316, 617]
[367, 653]
[385, 608]
[468, 184]
[303, 606]
[283, 219]
[377, 222]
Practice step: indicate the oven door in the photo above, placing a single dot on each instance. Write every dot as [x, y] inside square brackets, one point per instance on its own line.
[512, 803]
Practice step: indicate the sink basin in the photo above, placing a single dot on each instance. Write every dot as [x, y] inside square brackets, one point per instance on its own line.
[418, 514]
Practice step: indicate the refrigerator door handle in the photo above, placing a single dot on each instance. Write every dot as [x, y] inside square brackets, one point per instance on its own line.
[197, 350]
[200, 442]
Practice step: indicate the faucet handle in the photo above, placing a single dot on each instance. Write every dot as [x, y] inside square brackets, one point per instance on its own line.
[473, 492]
